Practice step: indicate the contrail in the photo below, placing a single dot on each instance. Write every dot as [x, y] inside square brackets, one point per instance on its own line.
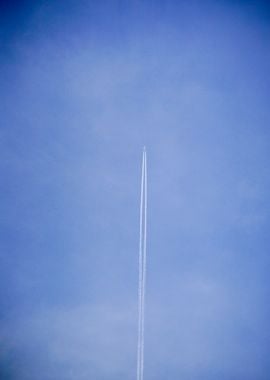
[142, 268]
[140, 277]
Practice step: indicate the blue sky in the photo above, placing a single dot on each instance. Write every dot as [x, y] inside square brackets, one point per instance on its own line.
[84, 86]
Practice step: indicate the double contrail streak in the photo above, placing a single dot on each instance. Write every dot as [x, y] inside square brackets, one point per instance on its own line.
[142, 268]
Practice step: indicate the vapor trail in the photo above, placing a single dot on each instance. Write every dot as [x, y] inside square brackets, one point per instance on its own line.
[142, 269]
[144, 260]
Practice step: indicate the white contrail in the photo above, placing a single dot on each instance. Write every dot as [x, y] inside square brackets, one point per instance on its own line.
[140, 277]
[142, 269]
[144, 261]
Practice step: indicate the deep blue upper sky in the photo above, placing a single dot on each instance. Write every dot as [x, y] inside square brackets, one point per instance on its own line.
[84, 85]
